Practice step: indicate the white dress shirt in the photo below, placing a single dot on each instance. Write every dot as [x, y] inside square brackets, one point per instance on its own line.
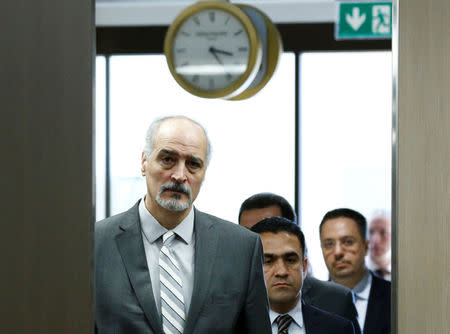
[374, 267]
[362, 291]
[296, 327]
[182, 248]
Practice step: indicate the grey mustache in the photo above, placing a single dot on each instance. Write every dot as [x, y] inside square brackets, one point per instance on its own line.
[176, 187]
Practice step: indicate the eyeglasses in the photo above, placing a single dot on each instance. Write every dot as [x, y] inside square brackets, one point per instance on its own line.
[345, 243]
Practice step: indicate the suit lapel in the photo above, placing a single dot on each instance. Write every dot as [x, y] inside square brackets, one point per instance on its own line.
[305, 290]
[131, 248]
[309, 319]
[374, 308]
[205, 254]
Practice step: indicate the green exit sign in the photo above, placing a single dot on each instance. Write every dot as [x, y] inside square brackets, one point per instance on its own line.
[364, 20]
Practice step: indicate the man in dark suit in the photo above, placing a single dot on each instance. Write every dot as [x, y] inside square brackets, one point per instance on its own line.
[344, 246]
[327, 296]
[285, 266]
[165, 267]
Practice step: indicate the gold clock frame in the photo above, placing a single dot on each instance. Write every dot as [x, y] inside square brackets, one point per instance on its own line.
[274, 50]
[255, 53]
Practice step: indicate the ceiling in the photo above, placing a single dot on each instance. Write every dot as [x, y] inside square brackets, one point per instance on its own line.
[162, 12]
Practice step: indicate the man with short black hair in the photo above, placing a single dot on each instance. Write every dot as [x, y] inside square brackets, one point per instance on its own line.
[328, 296]
[263, 205]
[344, 246]
[285, 266]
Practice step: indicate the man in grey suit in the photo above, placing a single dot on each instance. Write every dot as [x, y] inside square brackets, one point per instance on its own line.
[328, 296]
[165, 267]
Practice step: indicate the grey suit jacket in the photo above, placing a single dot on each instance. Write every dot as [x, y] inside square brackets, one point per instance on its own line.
[331, 297]
[229, 294]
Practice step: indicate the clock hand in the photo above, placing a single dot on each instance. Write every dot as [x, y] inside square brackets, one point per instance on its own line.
[214, 53]
[213, 49]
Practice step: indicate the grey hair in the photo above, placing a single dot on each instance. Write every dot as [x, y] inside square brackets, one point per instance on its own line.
[381, 213]
[153, 130]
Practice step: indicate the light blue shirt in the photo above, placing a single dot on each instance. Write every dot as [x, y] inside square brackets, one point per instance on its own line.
[296, 327]
[182, 248]
[362, 291]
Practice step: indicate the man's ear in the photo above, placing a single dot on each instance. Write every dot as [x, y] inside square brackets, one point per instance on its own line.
[305, 267]
[366, 247]
[143, 163]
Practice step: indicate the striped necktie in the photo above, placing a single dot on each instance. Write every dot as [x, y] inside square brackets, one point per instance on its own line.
[172, 300]
[283, 322]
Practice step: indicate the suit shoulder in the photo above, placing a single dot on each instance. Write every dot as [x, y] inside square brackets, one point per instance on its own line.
[329, 287]
[111, 224]
[380, 283]
[332, 321]
[225, 226]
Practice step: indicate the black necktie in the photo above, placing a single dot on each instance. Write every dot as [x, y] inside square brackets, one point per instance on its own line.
[283, 322]
[380, 272]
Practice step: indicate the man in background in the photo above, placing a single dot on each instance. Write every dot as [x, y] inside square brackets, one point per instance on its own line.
[379, 258]
[344, 246]
[328, 296]
[285, 266]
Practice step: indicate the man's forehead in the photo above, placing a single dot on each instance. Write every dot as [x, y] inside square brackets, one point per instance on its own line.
[339, 227]
[174, 125]
[257, 214]
[280, 242]
[181, 142]
[175, 152]
[380, 222]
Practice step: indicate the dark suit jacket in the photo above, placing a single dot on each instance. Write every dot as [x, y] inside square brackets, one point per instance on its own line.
[378, 315]
[318, 321]
[229, 293]
[331, 297]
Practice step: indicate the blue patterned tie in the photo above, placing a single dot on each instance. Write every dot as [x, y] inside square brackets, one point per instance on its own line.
[283, 322]
[172, 300]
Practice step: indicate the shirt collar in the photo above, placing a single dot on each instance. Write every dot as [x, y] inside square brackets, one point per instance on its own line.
[295, 313]
[153, 230]
[362, 289]
[373, 266]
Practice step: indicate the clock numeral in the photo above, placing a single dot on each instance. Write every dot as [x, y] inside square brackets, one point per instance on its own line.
[182, 50]
[212, 16]
[238, 32]
[243, 49]
[184, 33]
[228, 19]
[186, 63]
[228, 76]
[195, 78]
[196, 20]
[211, 84]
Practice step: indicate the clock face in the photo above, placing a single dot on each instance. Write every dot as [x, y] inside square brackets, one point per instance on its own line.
[211, 50]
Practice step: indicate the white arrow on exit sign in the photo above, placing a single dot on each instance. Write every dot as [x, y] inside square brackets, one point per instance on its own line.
[355, 20]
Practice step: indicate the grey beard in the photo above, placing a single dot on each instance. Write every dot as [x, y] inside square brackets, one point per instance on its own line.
[174, 203]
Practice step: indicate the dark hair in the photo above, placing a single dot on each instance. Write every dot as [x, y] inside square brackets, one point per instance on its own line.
[358, 218]
[263, 200]
[280, 224]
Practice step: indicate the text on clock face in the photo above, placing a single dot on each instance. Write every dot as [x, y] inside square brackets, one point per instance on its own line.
[211, 49]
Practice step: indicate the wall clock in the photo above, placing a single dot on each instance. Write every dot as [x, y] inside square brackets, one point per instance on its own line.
[213, 49]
